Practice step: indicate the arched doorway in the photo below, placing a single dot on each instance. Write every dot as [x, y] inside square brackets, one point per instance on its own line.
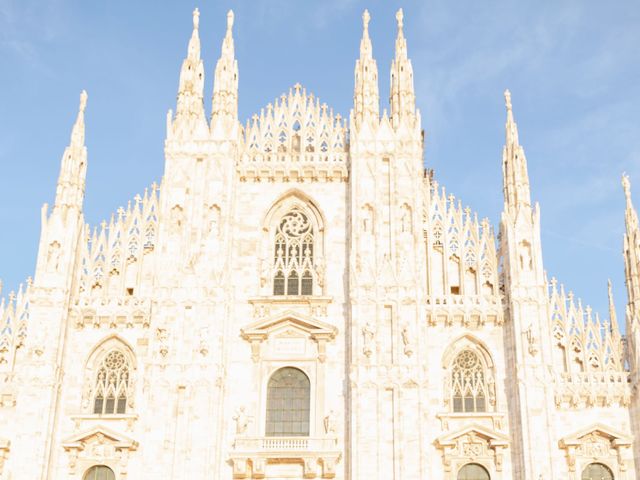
[597, 471]
[288, 399]
[473, 471]
[99, 472]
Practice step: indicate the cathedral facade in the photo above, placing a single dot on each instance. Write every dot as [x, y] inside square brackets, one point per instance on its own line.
[299, 298]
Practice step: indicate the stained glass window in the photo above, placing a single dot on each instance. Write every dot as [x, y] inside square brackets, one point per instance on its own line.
[112, 384]
[468, 386]
[293, 255]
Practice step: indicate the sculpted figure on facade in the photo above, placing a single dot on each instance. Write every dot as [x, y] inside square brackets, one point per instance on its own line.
[241, 420]
[368, 334]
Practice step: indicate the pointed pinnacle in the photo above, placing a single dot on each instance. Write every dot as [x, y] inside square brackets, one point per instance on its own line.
[626, 185]
[196, 19]
[230, 18]
[366, 18]
[83, 100]
[400, 19]
[507, 99]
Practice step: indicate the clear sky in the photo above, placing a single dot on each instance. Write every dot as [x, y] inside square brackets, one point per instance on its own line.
[573, 68]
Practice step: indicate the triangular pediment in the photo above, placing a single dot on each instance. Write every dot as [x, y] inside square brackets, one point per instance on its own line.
[598, 429]
[291, 322]
[492, 436]
[100, 434]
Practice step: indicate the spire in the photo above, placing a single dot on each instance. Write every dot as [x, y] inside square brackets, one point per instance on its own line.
[631, 217]
[612, 310]
[631, 253]
[190, 107]
[403, 99]
[514, 166]
[225, 84]
[366, 100]
[73, 166]
[77, 132]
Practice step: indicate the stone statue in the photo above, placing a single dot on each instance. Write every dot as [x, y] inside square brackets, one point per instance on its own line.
[368, 332]
[242, 421]
[330, 423]
[53, 257]
[406, 340]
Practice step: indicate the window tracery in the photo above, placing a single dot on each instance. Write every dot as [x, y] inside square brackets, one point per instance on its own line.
[293, 254]
[112, 383]
[468, 383]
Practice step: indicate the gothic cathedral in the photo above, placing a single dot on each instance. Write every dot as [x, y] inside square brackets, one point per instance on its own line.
[299, 298]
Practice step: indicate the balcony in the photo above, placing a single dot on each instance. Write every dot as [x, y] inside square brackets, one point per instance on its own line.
[314, 456]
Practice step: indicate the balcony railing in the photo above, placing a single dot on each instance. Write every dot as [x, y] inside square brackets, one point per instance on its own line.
[279, 444]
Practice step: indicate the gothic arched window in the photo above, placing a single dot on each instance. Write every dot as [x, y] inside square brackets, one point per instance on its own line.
[597, 471]
[468, 383]
[473, 471]
[293, 254]
[99, 472]
[288, 399]
[111, 384]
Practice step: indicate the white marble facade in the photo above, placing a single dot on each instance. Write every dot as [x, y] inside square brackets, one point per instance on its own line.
[311, 260]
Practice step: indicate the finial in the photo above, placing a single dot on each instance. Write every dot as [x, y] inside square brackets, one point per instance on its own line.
[366, 18]
[507, 99]
[400, 18]
[83, 100]
[626, 184]
[196, 19]
[229, 20]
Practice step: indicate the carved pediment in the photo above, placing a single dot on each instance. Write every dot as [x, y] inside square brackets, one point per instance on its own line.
[289, 324]
[100, 439]
[593, 432]
[292, 322]
[492, 437]
[598, 442]
[472, 443]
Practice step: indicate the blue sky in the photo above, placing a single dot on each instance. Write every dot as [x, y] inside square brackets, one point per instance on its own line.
[573, 68]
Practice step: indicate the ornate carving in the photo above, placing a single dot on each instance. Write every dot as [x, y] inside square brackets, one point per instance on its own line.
[162, 336]
[241, 420]
[532, 341]
[329, 422]
[368, 335]
[406, 340]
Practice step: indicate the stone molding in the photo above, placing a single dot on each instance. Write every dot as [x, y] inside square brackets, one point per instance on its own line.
[99, 444]
[473, 444]
[258, 332]
[251, 454]
[597, 443]
[575, 390]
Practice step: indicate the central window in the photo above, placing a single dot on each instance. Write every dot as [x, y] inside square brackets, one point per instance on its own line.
[288, 396]
[293, 255]
[468, 383]
[112, 384]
